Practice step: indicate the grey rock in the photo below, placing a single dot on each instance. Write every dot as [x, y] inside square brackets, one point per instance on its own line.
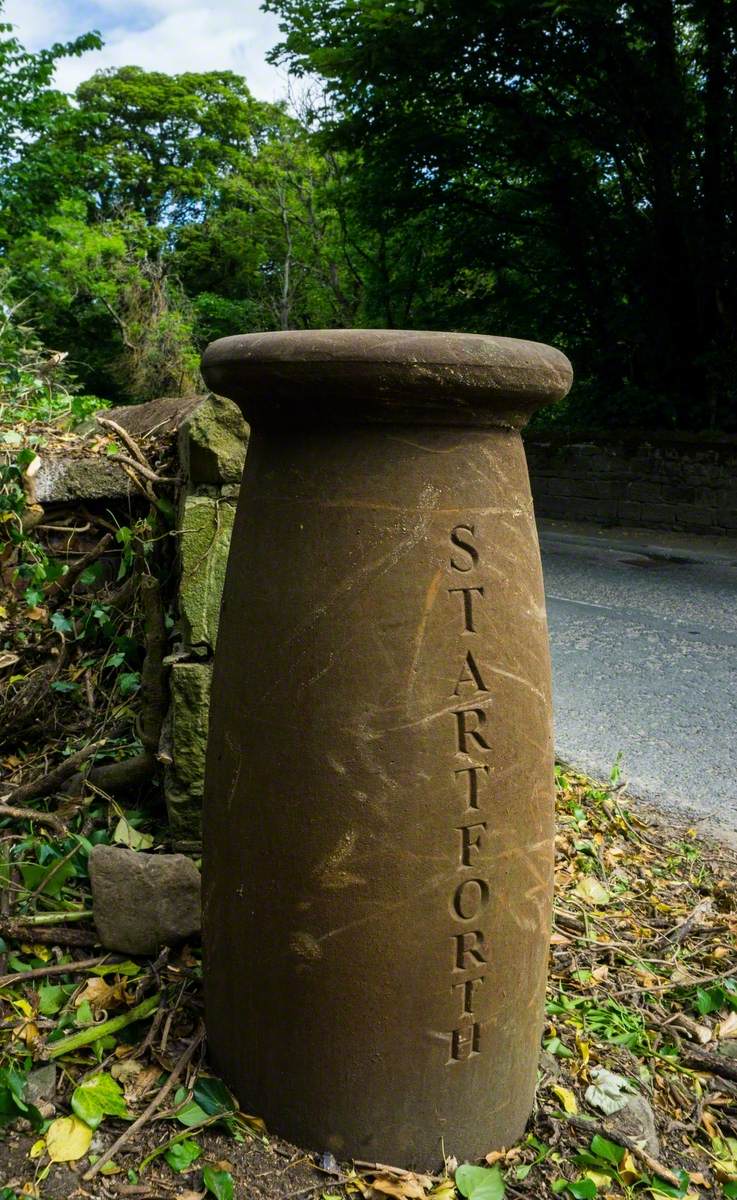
[636, 1121]
[40, 1085]
[88, 477]
[142, 902]
[549, 1065]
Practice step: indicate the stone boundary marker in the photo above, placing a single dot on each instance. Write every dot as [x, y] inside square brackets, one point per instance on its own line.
[379, 800]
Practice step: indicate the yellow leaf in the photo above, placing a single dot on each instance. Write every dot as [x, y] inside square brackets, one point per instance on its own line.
[583, 1050]
[628, 1169]
[402, 1187]
[37, 1148]
[591, 891]
[68, 1139]
[27, 1032]
[567, 1099]
[598, 1178]
[24, 1007]
[42, 952]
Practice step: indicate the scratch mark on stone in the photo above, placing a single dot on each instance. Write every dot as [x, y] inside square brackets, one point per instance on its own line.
[430, 598]
[518, 679]
[331, 872]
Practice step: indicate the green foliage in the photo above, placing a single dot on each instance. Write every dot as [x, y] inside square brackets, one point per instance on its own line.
[218, 1183]
[574, 166]
[97, 1097]
[12, 1104]
[182, 1154]
[479, 1183]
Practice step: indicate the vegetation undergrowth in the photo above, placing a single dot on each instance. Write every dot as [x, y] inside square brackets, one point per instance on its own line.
[101, 1052]
[642, 1002]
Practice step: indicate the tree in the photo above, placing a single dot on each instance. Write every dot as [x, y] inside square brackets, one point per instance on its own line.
[578, 164]
[29, 104]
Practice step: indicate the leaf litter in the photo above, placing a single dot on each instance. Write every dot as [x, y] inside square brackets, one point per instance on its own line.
[642, 1009]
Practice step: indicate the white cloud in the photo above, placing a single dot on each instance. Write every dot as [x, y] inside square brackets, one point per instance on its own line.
[162, 35]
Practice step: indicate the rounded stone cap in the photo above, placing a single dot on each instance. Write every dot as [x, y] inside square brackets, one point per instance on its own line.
[353, 376]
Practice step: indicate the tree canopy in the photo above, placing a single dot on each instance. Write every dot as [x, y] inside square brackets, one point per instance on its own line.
[578, 159]
[563, 171]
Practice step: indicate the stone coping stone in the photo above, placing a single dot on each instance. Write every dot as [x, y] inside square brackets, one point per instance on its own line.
[160, 418]
[346, 376]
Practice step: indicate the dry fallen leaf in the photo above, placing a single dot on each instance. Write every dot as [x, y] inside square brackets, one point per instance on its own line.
[404, 1187]
[728, 1027]
[567, 1099]
[101, 995]
[68, 1139]
[591, 891]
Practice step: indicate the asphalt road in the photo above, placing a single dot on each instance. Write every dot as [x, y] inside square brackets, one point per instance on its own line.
[644, 646]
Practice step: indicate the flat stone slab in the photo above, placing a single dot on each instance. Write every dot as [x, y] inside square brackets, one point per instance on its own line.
[142, 902]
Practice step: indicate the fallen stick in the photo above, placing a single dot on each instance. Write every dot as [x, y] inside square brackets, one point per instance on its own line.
[32, 814]
[72, 968]
[707, 1060]
[57, 918]
[679, 933]
[85, 1037]
[145, 471]
[58, 936]
[44, 785]
[652, 1164]
[161, 1095]
[67, 582]
[125, 437]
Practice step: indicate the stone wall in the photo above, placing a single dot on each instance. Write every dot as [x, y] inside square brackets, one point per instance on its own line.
[212, 444]
[663, 482]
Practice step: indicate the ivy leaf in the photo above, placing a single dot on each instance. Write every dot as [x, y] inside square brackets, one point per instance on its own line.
[479, 1183]
[51, 997]
[98, 1097]
[607, 1150]
[125, 835]
[583, 1189]
[182, 1154]
[129, 682]
[218, 1183]
[61, 623]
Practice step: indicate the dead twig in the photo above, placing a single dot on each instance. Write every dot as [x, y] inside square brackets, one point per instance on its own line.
[32, 814]
[57, 936]
[148, 1112]
[72, 968]
[44, 785]
[708, 1060]
[593, 1128]
[65, 584]
[146, 472]
[131, 443]
[679, 933]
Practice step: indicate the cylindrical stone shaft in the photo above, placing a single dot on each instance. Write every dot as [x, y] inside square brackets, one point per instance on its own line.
[379, 808]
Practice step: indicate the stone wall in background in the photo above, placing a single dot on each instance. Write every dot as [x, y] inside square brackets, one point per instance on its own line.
[664, 482]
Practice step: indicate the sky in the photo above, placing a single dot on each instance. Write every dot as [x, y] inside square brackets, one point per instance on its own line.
[158, 35]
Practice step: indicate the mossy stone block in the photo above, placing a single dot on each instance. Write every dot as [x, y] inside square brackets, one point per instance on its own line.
[206, 525]
[213, 442]
[185, 778]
